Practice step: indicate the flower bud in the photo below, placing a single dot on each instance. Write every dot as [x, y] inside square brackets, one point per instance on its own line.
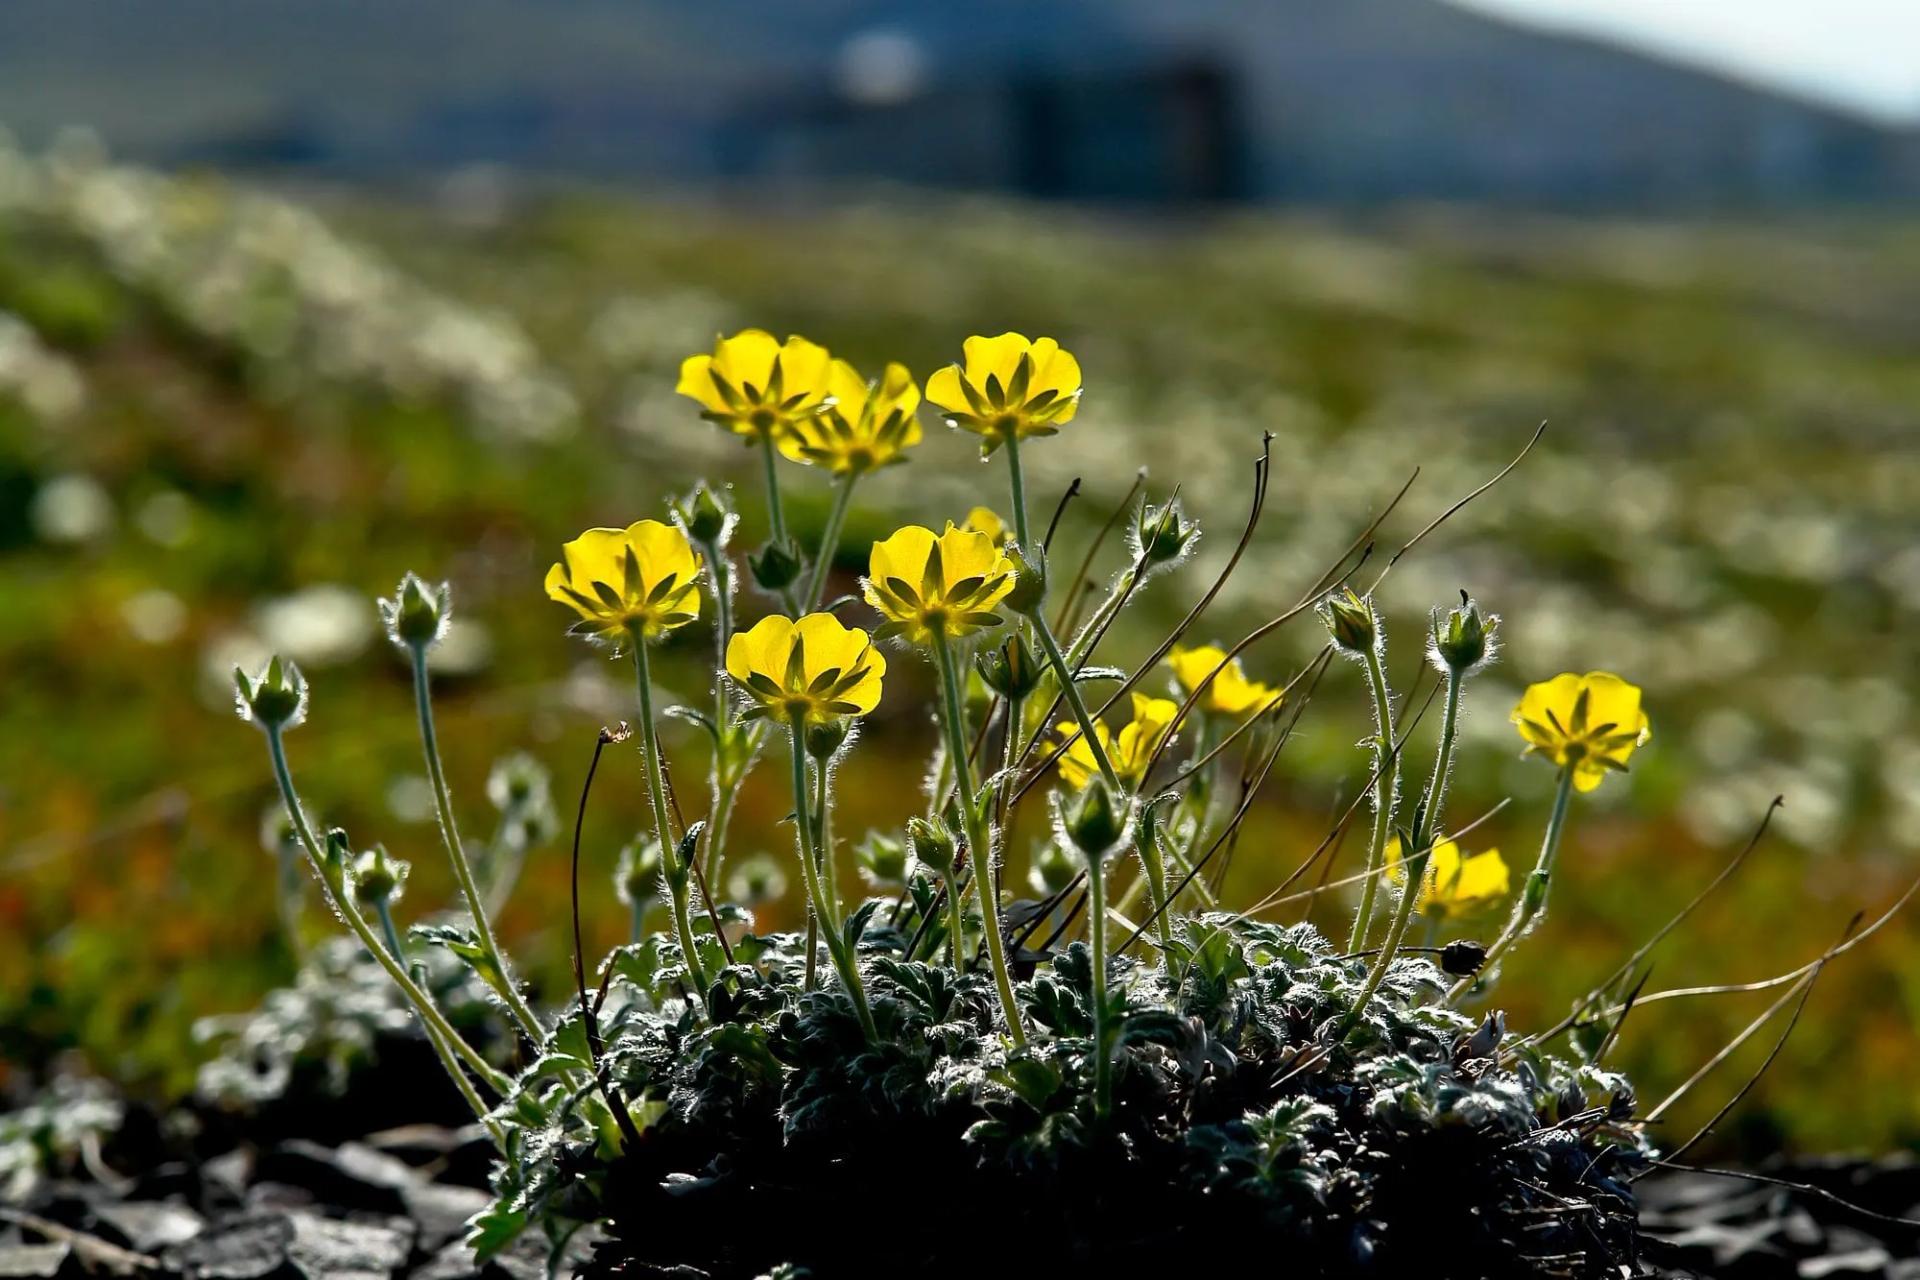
[933, 845]
[277, 835]
[1464, 640]
[1161, 535]
[777, 565]
[1011, 669]
[417, 616]
[335, 848]
[1092, 819]
[518, 782]
[824, 737]
[637, 876]
[882, 859]
[1029, 590]
[378, 879]
[1052, 869]
[276, 699]
[757, 879]
[703, 515]
[1350, 621]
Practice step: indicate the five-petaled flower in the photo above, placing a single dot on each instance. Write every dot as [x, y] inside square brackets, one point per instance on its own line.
[863, 425]
[1231, 692]
[926, 583]
[812, 671]
[1130, 751]
[1008, 388]
[1455, 884]
[1588, 723]
[640, 581]
[757, 387]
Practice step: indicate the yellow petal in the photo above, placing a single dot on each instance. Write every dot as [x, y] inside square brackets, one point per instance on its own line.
[997, 356]
[1611, 700]
[943, 390]
[1054, 370]
[903, 554]
[696, 382]
[746, 360]
[761, 649]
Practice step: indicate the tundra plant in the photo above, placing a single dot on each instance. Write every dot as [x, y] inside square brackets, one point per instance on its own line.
[1105, 1068]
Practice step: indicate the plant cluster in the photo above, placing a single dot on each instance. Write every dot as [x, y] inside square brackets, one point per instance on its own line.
[1175, 1063]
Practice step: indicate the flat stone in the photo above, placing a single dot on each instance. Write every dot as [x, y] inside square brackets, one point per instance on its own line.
[349, 1177]
[329, 1249]
[150, 1225]
[441, 1212]
[37, 1261]
[1860, 1264]
[245, 1248]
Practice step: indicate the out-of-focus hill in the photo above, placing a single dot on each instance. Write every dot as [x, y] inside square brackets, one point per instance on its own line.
[1133, 100]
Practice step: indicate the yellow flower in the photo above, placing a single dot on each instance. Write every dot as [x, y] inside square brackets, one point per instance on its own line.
[1008, 388]
[756, 387]
[1130, 752]
[816, 668]
[1231, 693]
[1455, 885]
[950, 581]
[986, 520]
[641, 580]
[865, 425]
[1590, 723]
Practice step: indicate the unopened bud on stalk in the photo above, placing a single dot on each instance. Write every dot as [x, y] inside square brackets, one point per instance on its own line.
[418, 615]
[276, 699]
[757, 879]
[636, 878]
[335, 848]
[825, 737]
[703, 515]
[1163, 534]
[1350, 621]
[882, 859]
[378, 879]
[777, 565]
[1052, 869]
[1010, 670]
[933, 846]
[1464, 640]
[1029, 590]
[1092, 819]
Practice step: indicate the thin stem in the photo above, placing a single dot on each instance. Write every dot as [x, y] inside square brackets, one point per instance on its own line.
[462, 869]
[720, 808]
[451, 1065]
[956, 923]
[776, 517]
[1018, 480]
[342, 904]
[979, 838]
[848, 965]
[830, 539]
[1386, 790]
[823, 822]
[1097, 933]
[676, 875]
[1071, 691]
[1148, 844]
[1531, 909]
[1414, 866]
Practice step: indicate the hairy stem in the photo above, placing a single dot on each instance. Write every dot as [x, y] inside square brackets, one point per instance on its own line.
[1386, 791]
[1531, 909]
[1017, 480]
[676, 875]
[1097, 933]
[829, 540]
[1071, 691]
[847, 964]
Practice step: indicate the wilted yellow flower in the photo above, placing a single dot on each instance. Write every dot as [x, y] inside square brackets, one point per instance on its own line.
[986, 520]
[922, 581]
[637, 581]
[815, 669]
[1590, 723]
[755, 386]
[1130, 752]
[1455, 884]
[1008, 388]
[864, 425]
[1231, 693]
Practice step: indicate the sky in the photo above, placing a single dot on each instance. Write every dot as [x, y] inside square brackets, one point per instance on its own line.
[1860, 54]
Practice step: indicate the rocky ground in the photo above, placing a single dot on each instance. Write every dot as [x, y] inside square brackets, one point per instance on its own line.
[392, 1206]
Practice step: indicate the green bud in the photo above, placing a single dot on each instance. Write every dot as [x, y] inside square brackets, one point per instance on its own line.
[882, 859]
[335, 847]
[1092, 819]
[825, 737]
[777, 565]
[1011, 669]
[418, 615]
[1350, 621]
[703, 515]
[1463, 640]
[636, 878]
[518, 782]
[276, 699]
[1029, 591]
[756, 879]
[1162, 535]
[933, 846]
[378, 879]
[1052, 869]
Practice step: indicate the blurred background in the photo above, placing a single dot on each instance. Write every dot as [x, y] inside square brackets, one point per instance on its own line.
[294, 298]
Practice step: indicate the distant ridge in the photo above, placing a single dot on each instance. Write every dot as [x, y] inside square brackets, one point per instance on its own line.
[1352, 101]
